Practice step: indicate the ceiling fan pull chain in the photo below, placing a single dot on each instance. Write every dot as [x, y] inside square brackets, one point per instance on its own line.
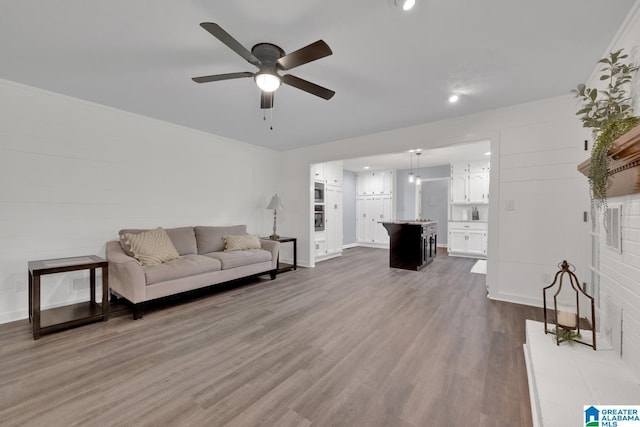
[271, 114]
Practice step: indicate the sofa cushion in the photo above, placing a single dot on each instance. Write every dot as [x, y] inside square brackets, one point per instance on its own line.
[240, 258]
[151, 247]
[241, 242]
[188, 265]
[209, 238]
[183, 239]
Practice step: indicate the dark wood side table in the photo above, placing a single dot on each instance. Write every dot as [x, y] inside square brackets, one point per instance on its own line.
[285, 266]
[54, 319]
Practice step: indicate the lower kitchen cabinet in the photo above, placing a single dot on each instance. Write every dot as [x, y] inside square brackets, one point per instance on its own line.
[467, 239]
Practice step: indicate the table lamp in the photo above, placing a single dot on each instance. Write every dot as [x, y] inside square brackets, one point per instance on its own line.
[276, 205]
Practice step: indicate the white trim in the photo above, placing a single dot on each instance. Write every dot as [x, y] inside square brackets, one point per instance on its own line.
[350, 245]
[518, 299]
[373, 245]
[535, 410]
[14, 316]
[629, 21]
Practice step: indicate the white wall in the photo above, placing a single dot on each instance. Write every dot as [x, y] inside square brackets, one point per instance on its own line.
[73, 173]
[620, 273]
[535, 149]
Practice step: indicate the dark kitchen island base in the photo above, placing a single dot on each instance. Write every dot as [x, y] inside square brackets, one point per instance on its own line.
[412, 244]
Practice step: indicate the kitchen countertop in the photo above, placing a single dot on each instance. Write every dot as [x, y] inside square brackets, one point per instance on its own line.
[468, 220]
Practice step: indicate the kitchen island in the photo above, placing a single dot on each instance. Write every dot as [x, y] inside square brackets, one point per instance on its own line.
[412, 243]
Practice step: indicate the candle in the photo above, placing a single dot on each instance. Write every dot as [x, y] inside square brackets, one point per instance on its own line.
[566, 319]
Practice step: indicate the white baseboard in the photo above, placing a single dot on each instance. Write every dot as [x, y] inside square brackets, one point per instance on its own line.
[373, 245]
[350, 245]
[13, 316]
[517, 299]
[326, 257]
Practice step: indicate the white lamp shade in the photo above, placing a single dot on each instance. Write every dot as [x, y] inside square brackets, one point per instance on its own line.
[267, 82]
[275, 204]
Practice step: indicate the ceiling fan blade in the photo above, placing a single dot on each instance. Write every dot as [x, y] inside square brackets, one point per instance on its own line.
[307, 86]
[306, 54]
[266, 100]
[233, 44]
[217, 77]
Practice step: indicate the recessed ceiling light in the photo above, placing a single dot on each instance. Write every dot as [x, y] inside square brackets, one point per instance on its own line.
[488, 153]
[366, 167]
[454, 98]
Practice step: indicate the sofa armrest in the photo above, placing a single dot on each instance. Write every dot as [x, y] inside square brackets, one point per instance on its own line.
[126, 275]
[272, 246]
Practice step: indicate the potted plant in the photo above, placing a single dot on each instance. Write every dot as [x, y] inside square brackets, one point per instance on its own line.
[609, 113]
[562, 334]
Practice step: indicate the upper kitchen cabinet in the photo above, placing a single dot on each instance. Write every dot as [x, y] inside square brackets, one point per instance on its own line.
[375, 183]
[470, 183]
[329, 173]
[333, 173]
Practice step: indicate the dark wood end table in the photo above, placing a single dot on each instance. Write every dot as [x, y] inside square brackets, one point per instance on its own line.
[285, 266]
[54, 319]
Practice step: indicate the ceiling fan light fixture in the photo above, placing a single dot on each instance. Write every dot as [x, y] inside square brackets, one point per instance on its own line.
[267, 82]
[408, 4]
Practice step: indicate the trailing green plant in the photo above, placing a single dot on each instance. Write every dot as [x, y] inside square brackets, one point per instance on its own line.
[568, 335]
[608, 112]
[599, 176]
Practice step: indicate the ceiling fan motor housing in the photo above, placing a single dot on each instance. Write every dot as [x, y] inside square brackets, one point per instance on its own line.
[268, 54]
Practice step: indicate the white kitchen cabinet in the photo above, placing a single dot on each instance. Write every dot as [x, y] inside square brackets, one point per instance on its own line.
[320, 247]
[478, 187]
[459, 188]
[328, 242]
[371, 211]
[333, 173]
[375, 183]
[467, 239]
[318, 171]
[470, 183]
[333, 222]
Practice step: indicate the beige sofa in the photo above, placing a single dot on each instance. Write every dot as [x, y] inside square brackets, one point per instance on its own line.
[203, 262]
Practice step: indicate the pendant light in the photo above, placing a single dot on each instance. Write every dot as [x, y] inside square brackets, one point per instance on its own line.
[418, 180]
[411, 177]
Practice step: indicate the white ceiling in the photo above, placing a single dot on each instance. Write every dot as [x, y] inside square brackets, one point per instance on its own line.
[389, 69]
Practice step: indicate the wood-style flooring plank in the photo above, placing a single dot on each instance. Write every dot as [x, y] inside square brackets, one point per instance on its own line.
[348, 343]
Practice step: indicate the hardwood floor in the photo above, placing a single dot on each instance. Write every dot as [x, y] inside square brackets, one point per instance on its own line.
[348, 343]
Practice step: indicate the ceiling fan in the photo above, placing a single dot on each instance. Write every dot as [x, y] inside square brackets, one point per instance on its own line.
[270, 59]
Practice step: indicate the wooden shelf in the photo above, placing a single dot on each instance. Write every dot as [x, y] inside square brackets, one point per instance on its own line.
[625, 164]
[70, 315]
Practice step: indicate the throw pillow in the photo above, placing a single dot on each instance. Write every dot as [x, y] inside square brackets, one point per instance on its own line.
[151, 247]
[241, 242]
